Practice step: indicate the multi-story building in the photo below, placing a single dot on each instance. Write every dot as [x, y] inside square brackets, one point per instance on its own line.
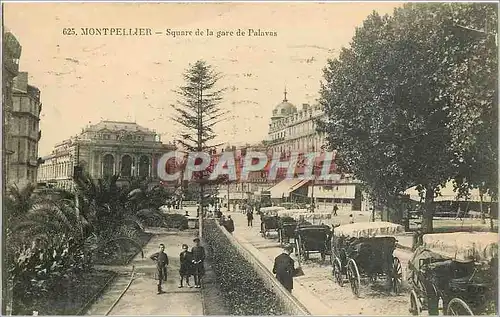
[24, 130]
[294, 130]
[104, 149]
[11, 55]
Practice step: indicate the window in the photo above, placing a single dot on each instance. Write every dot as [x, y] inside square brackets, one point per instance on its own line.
[34, 125]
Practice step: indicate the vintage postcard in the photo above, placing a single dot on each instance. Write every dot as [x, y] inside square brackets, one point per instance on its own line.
[250, 158]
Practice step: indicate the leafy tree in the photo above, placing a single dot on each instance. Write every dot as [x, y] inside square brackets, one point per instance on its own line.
[394, 101]
[197, 111]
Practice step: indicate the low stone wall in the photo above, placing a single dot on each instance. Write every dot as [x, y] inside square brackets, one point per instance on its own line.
[286, 302]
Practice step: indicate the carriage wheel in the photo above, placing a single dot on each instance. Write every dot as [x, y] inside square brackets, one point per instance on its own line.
[302, 250]
[297, 248]
[415, 305]
[396, 276]
[337, 272]
[353, 276]
[458, 307]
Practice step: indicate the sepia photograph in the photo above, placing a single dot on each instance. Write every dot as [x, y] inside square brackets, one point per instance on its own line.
[250, 158]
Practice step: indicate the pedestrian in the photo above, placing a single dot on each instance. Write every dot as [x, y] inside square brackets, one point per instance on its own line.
[351, 218]
[222, 220]
[250, 218]
[198, 253]
[186, 269]
[229, 225]
[335, 208]
[161, 260]
[284, 268]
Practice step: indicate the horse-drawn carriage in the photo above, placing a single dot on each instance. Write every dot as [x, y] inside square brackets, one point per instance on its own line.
[286, 230]
[456, 273]
[364, 252]
[269, 220]
[312, 239]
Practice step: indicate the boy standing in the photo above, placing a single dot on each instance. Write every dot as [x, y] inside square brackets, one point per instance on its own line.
[186, 259]
[161, 260]
[198, 266]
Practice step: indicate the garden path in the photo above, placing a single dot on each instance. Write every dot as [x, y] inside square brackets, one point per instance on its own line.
[141, 297]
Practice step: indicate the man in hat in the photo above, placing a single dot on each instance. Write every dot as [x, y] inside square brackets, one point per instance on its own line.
[198, 254]
[284, 268]
[229, 225]
[161, 260]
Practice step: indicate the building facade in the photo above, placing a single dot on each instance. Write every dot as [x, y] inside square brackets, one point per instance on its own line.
[295, 130]
[24, 131]
[104, 149]
[11, 55]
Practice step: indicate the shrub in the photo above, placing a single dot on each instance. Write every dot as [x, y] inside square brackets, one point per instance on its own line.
[243, 290]
[175, 221]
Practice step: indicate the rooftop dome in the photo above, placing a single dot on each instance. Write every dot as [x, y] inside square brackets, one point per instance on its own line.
[284, 109]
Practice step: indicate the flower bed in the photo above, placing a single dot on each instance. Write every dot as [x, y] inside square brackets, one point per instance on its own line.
[112, 256]
[71, 295]
[243, 290]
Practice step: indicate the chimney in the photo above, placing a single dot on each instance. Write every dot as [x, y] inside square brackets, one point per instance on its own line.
[21, 81]
[305, 106]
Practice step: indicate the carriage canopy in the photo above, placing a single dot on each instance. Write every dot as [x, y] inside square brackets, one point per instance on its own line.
[271, 210]
[368, 229]
[463, 246]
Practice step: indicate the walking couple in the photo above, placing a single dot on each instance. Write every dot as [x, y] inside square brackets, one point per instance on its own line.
[191, 263]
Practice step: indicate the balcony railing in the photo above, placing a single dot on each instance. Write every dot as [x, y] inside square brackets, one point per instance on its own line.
[278, 140]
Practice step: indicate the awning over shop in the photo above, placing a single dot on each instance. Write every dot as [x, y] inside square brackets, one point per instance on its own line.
[285, 187]
[337, 191]
[448, 194]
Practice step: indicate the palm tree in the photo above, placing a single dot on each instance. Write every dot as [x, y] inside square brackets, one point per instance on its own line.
[18, 202]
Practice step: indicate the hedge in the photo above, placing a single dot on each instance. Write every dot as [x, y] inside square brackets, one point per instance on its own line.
[244, 292]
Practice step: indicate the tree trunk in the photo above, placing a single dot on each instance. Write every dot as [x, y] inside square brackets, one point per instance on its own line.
[483, 218]
[492, 227]
[9, 296]
[200, 216]
[428, 211]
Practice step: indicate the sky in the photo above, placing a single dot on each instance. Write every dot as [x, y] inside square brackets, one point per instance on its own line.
[86, 79]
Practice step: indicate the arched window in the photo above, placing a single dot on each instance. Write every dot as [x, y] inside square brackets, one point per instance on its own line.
[126, 166]
[108, 163]
[144, 166]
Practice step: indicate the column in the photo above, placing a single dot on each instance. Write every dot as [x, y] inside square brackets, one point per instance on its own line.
[150, 166]
[117, 165]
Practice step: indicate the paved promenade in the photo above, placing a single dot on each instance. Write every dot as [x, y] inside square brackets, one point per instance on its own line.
[316, 290]
[141, 297]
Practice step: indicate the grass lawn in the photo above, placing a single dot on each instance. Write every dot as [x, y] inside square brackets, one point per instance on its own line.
[69, 298]
[115, 256]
